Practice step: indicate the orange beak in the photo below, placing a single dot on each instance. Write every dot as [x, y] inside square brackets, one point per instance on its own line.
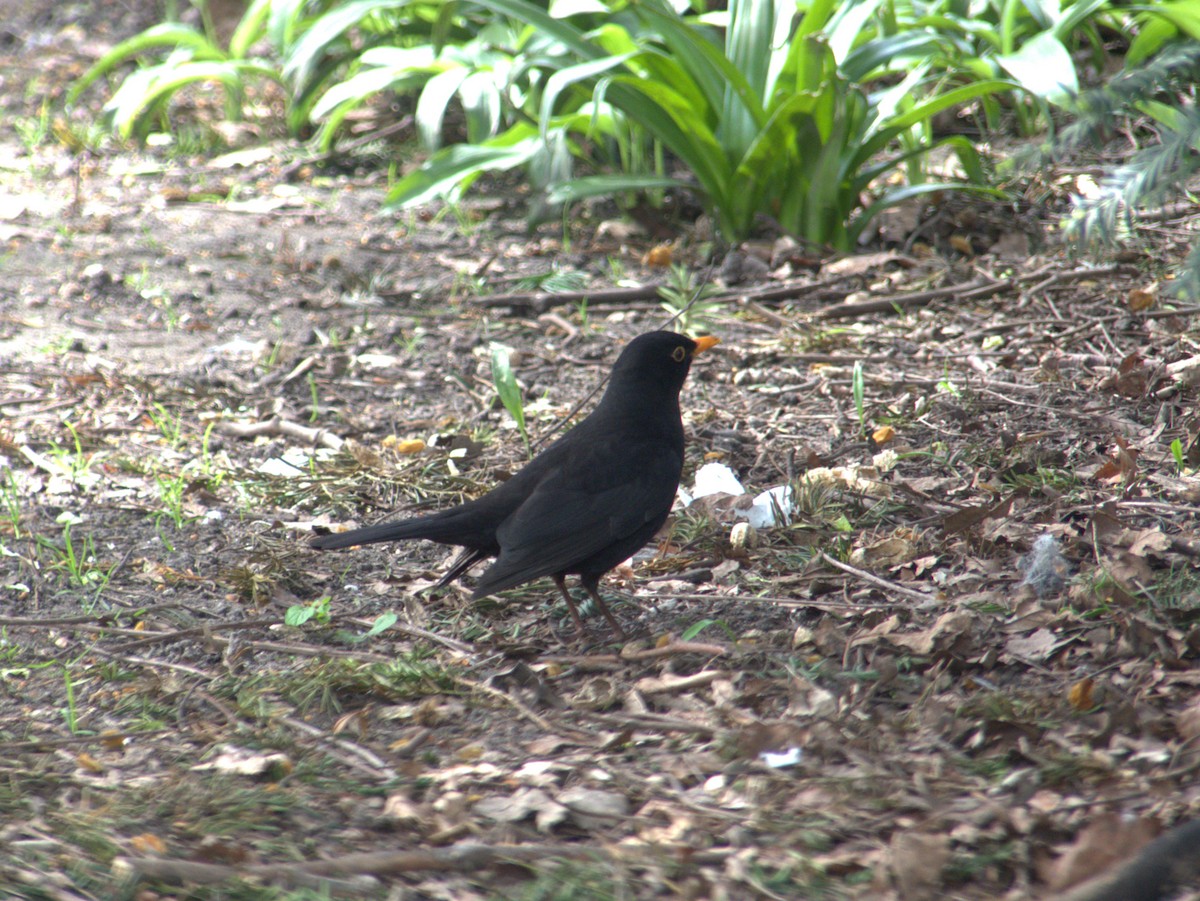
[704, 343]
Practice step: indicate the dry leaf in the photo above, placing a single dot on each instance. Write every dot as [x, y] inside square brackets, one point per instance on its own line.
[962, 243]
[941, 637]
[661, 255]
[1081, 693]
[1108, 839]
[146, 843]
[916, 861]
[1143, 298]
[591, 808]
[89, 763]
[1036, 646]
[409, 446]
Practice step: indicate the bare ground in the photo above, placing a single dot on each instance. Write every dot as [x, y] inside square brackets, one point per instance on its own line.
[199, 360]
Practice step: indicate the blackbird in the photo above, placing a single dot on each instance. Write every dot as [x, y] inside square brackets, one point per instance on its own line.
[585, 503]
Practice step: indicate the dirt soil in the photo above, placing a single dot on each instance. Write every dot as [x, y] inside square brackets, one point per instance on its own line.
[965, 668]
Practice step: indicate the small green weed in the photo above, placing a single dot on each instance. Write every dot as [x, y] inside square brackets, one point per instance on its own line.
[508, 390]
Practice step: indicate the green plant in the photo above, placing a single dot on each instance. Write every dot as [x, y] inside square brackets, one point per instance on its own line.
[507, 389]
[697, 627]
[858, 389]
[194, 57]
[78, 558]
[170, 428]
[381, 624]
[72, 463]
[10, 495]
[1177, 455]
[771, 119]
[171, 490]
[70, 712]
[317, 610]
[685, 298]
[32, 132]
[1157, 90]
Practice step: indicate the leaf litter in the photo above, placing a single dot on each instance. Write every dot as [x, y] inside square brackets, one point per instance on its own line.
[965, 669]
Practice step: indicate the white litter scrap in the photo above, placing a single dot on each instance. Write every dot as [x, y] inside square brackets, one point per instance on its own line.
[780, 759]
[772, 507]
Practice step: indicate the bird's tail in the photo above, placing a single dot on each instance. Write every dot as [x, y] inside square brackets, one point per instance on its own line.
[385, 531]
[454, 526]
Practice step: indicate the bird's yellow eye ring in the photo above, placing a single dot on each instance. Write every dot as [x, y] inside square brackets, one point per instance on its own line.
[678, 354]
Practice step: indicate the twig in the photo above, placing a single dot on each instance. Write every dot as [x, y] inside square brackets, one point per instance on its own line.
[356, 756]
[540, 721]
[672, 684]
[649, 721]
[541, 301]
[876, 580]
[283, 427]
[676, 647]
[458, 859]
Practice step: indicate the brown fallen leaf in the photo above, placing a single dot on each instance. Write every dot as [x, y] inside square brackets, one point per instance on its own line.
[916, 861]
[1107, 840]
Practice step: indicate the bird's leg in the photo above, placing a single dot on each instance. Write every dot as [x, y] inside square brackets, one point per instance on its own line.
[594, 593]
[561, 582]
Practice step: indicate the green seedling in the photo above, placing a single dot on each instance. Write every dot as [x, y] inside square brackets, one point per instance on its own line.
[171, 490]
[507, 389]
[686, 300]
[1177, 453]
[858, 387]
[170, 429]
[314, 398]
[11, 499]
[78, 559]
[318, 610]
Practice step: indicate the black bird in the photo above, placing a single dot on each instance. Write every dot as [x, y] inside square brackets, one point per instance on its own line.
[585, 503]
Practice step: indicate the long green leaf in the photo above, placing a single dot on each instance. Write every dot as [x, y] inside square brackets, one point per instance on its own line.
[127, 106]
[564, 78]
[711, 71]
[888, 130]
[452, 168]
[435, 98]
[166, 35]
[302, 60]
[1044, 68]
[604, 185]
[536, 18]
[250, 28]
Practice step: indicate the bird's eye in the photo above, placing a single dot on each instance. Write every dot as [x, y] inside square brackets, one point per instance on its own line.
[678, 354]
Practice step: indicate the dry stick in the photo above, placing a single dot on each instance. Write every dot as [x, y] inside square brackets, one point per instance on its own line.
[461, 858]
[193, 632]
[875, 580]
[541, 301]
[458, 647]
[10, 748]
[539, 721]
[647, 722]
[673, 684]
[278, 426]
[676, 647]
[146, 661]
[980, 287]
[1059, 411]
[356, 756]
[785, 602]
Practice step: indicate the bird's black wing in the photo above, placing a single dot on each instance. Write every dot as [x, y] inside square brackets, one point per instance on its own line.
[602, 498]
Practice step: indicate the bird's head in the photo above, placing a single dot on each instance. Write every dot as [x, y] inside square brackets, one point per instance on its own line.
[658, 361]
